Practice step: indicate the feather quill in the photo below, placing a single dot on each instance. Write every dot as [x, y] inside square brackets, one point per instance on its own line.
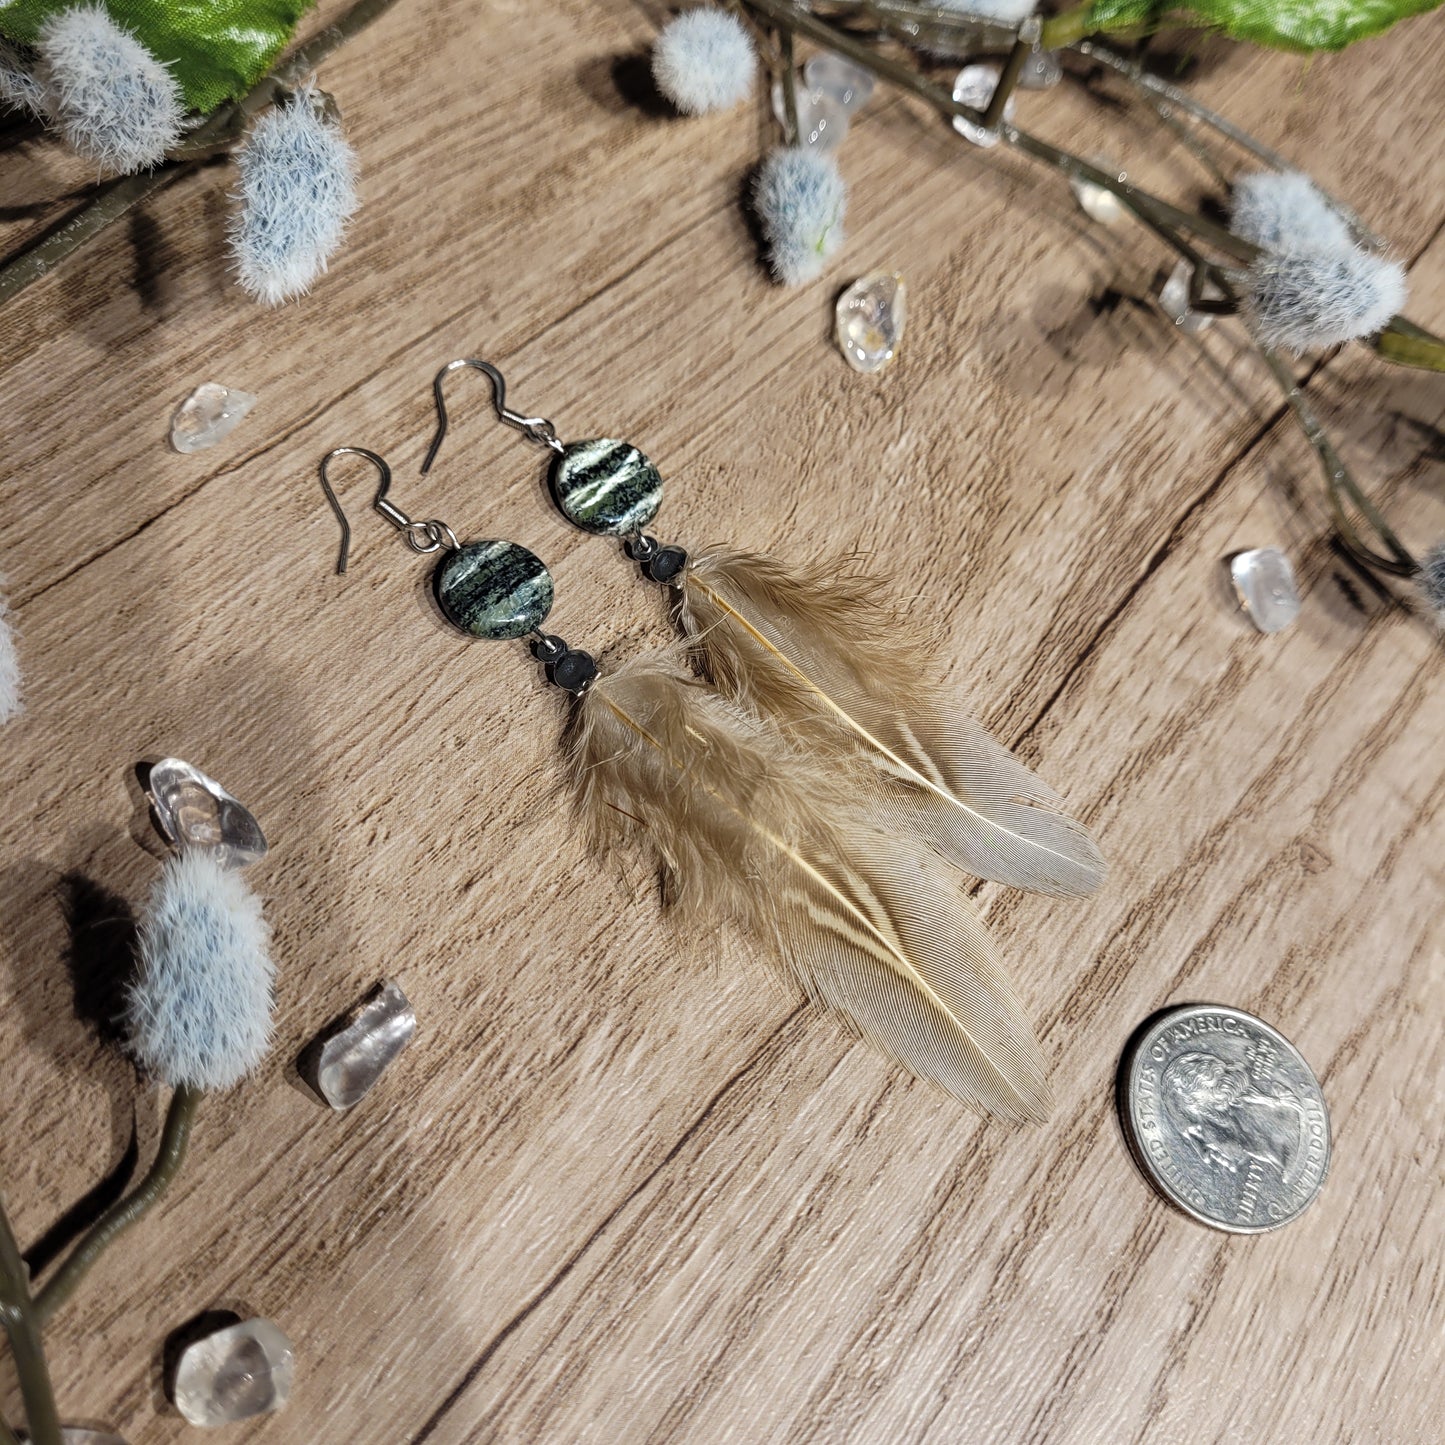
[817, 649]
[753, 829]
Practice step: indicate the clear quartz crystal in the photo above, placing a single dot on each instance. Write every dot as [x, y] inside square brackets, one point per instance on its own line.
[1041, 71]
[1097, 203]
[822, 117]
[1264, 582]
[233, 1374]
[871, 315]
[209, 413]
[350, 1061]
[850, 85]
[191, 810]
[1174, 298]
[974, 85]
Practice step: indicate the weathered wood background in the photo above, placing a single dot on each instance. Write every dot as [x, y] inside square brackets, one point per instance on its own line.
[623, 1187]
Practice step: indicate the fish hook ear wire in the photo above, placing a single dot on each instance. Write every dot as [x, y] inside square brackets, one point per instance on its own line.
[535, 428]
[429, 536]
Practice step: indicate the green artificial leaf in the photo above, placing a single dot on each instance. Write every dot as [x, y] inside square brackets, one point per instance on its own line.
[216, 49]
[1306, 24]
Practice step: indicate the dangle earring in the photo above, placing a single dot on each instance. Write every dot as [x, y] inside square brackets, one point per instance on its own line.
[489, 589]
[749, 827]
[818, 649]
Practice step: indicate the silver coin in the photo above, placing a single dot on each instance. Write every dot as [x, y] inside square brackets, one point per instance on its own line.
[1225, 1118]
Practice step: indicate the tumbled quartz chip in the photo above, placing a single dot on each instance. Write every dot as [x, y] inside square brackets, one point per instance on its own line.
[233, 1374]
[1041, 70]
[207, 415]
[974, 85]
[1174, 298]
[871, 315]
[1099, 204]
[1264, 582]
[191, 810]
[346, 1064]
[822, 117]
[850, 85]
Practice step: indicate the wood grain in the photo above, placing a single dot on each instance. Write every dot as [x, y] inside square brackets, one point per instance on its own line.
[625, 1187]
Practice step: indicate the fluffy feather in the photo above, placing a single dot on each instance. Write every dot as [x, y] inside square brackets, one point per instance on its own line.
[200, 1012]
[815, 648]
[751, 829]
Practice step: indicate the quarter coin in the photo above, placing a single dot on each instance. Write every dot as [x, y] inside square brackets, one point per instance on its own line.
[1225, 1118]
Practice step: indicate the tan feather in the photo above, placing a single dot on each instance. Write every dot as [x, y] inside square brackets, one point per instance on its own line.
[817, 649]
[750, 828]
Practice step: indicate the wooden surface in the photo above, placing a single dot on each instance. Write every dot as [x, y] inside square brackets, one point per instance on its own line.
[624, 1187]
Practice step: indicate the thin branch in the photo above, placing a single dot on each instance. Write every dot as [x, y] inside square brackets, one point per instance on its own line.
[1339, 484]
[217, 134]
[21, 1320]
[1161, 93]
[128, 1211]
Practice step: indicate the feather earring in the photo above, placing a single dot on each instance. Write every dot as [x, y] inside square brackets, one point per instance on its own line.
[754, 827]
[818, 650]
[751, 828]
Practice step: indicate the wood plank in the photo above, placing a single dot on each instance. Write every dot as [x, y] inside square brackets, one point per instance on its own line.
[622, 1178]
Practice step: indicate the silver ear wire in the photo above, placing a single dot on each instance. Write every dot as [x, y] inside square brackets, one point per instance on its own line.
[429, 536]
[535, 428]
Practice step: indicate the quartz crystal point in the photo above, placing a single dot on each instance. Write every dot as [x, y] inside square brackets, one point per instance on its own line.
[345, 1064]
[207, 415]
[822, 117]
[833, 75]
[1264, 582]
[871, 315]
[974, 85]
[233, 1374]
[193, 811]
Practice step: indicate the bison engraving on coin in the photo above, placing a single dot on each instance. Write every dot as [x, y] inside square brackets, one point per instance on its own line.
[1225, 1118]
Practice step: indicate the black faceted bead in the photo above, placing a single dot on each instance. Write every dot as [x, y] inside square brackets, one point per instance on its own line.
[666, 564]
[573, 671]
[548, 648]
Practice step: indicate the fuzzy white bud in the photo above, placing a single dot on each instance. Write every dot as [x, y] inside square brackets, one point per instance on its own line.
[199, 1014]
[704, 61]
[1305, 299]
[298, 190]
[113, 101]
[800, 199]
[1286, 211]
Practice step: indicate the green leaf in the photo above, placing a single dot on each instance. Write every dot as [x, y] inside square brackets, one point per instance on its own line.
[216, 49]
[1306, 24]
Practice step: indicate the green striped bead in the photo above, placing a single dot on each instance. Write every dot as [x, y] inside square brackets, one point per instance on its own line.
[606, 486]
[494, 590]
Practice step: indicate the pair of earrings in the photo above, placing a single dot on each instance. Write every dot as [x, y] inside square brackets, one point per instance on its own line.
[789, 764]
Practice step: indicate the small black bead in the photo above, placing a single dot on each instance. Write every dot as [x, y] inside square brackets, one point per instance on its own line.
[548, 648]
[573, 671]
[666, 564]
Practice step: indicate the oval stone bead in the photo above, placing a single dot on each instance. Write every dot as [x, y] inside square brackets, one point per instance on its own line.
[606, 486]
[495, 590]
